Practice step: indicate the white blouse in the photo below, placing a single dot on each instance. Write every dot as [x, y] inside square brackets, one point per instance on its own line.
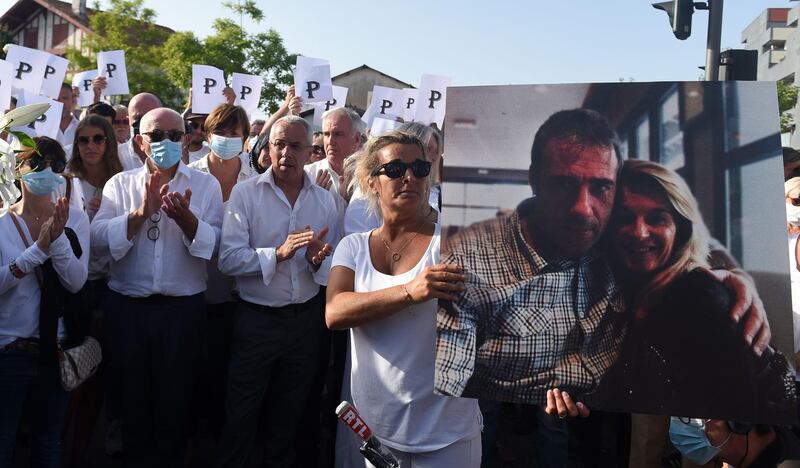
[20, 297]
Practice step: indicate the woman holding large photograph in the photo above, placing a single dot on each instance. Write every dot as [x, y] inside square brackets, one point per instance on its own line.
[383, 285]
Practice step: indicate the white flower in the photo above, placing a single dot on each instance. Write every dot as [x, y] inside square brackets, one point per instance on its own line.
[8, 191]
[23, 115]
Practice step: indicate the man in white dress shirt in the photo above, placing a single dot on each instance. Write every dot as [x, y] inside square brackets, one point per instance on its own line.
[274, 242]
[131, 154]
[159, 224]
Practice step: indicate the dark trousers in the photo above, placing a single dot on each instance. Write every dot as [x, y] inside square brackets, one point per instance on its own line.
[21, 379]
[157, 344]
[273, 362]
[219, 333]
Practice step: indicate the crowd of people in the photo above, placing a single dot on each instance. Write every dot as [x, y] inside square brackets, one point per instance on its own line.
[252, 274]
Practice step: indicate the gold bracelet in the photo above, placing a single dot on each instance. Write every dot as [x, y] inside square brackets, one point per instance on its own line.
[408, 295]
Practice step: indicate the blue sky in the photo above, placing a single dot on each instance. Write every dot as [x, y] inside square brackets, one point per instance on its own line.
[498, 42]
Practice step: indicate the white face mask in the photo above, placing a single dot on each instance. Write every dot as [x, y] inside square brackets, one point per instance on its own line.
[793, 214]
[224, 147]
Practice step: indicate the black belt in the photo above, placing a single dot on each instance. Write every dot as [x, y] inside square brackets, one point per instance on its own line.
[156, 299]
[287, 309]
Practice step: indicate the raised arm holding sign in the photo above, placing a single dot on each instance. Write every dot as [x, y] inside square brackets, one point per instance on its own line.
[54, 73]
[207, 85]
[47, 123]
[312, 79]
[111, 64]
[339, 99]
[30, 66]
[248, 91]
[432, 99]
[83, 81]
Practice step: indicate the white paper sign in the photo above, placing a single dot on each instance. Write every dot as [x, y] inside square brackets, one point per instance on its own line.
[83, 81]
[248, 91]
[29, 68]
[6, 77]
[386, 103]
[339, 99]
[381, 126]
[432, 99]
[207, 85]
[312, 79]
[410, 96]
[47, 123]
[54, 74]
[111, 64]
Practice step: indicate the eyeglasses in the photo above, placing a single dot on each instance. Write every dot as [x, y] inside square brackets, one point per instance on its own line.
[397, 168]
[317, 149]
[153, 232]
[193, 124]
[158, 135]
[96, 139]
[39, 163]
[135, 125]
[281, 145]
[796, 201]
[120, 121]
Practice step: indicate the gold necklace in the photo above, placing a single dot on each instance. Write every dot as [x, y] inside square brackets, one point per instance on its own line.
[396, 256]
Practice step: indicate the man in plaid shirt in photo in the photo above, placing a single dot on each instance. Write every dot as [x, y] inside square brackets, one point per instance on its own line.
[541, 309]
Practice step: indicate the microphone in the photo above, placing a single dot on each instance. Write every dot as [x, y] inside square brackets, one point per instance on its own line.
[372, 449]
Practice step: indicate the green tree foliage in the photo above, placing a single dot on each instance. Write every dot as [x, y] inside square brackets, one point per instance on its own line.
[128, 26]
[231, 49]
[787, 100]
[160, 61]
[5, 38]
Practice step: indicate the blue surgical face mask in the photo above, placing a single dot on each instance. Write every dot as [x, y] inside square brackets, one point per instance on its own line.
[226, 147]
[42, 182]
[691, 440]
[165, 153]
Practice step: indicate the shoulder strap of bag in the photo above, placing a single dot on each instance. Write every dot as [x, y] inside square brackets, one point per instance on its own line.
[69, 188]
[36, 270]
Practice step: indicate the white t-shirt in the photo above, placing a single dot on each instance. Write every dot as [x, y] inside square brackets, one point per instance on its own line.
[198, 155]
[393, 362]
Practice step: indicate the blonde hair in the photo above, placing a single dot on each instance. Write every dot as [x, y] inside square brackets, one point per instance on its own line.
[692, 239]
[369, 161]
[792, 187]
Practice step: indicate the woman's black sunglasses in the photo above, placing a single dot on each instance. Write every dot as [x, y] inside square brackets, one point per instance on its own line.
[39, 163]
[96, 139]
[397, 168]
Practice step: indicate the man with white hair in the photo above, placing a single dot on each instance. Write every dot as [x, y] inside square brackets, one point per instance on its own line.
[342, 129]
[159, 224]
[121, 124]
[275, 242]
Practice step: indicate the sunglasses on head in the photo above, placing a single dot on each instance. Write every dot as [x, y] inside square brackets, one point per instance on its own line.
[120, 122]
[96, 139]
[397, 168]
[158, 135]
[40, 163]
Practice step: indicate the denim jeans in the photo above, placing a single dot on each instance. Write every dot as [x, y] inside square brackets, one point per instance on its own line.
[23, 379]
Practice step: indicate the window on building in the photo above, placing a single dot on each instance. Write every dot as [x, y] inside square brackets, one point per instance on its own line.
[671, 141]
[60, 32]
[32, 38]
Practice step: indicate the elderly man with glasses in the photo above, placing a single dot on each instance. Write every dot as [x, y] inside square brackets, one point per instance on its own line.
[159, 224]
[276, 237]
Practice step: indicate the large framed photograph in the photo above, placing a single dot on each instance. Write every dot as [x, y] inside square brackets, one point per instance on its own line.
[609, 234]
